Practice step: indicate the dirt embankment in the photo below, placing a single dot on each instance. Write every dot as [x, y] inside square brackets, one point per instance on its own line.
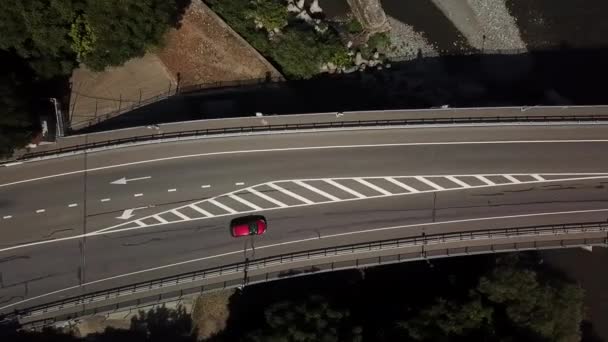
[206, 50]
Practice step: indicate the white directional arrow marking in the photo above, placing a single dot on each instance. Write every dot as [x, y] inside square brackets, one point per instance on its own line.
[128, 213]
[125, 180]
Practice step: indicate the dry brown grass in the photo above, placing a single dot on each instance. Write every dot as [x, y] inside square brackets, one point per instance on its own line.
[210, 313]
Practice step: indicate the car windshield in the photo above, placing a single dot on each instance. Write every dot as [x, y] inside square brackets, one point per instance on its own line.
[253, 227]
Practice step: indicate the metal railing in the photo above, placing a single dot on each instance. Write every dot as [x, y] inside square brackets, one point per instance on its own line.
[127, 105]
[249, 266]
[323, 125]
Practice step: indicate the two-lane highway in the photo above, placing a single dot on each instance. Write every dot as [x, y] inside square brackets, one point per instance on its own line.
[161, 209]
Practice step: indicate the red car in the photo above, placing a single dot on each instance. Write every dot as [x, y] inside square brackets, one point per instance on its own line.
[249, 225]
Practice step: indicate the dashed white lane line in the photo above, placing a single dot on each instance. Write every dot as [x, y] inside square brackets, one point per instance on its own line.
[404, 186]
[72, 205]
[370, 185]
[239, 183]
[225, 207]
[429, 183]
[138, 195]
[244, 201]
[190, 261]
[105, 200]
[202, 211]
[6, 217]
[171, 190]
[315, 190]
[289, 193]
[343, 188]
[485, 180]
[512, 179]
[458, 181]
[268, 198]
[206, 186]
[40, 211]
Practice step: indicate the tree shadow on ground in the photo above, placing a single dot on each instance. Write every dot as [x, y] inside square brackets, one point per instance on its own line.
[558, 76]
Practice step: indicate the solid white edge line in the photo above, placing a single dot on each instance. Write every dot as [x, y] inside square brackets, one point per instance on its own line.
[375, 187]
[317, 191]
[423, 224]
[458, 181]
[429, 183]
[245, 202]
[289, 193]
[267, 198]
[344, 188]
[566, 141]
[221, 205]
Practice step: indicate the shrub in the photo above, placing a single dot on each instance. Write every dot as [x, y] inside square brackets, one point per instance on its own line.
[354, 26]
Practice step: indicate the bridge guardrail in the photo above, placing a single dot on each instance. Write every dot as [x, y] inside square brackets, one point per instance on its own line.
[260, 264]
[323, 125]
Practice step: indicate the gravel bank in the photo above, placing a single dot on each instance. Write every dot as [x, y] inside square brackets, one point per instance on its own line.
[498, 26]
[407, 42]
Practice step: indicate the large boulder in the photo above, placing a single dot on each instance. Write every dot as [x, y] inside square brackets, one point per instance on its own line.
[370, 14]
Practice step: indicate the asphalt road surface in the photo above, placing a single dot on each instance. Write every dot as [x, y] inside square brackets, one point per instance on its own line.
[149, 211]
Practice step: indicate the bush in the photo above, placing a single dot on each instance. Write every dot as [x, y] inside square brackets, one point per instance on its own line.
[270, 14]
[298, 51]
[379, 41]
[354, 26]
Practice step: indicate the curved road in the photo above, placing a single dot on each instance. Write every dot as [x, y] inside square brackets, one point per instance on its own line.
[149, 211]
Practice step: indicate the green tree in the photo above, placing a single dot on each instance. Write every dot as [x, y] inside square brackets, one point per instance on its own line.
[447, 319]
[509, 303]
[53, 35]
[313, 320]
[83, 38]
[553, 310]
[38, 31]
[125, 29]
